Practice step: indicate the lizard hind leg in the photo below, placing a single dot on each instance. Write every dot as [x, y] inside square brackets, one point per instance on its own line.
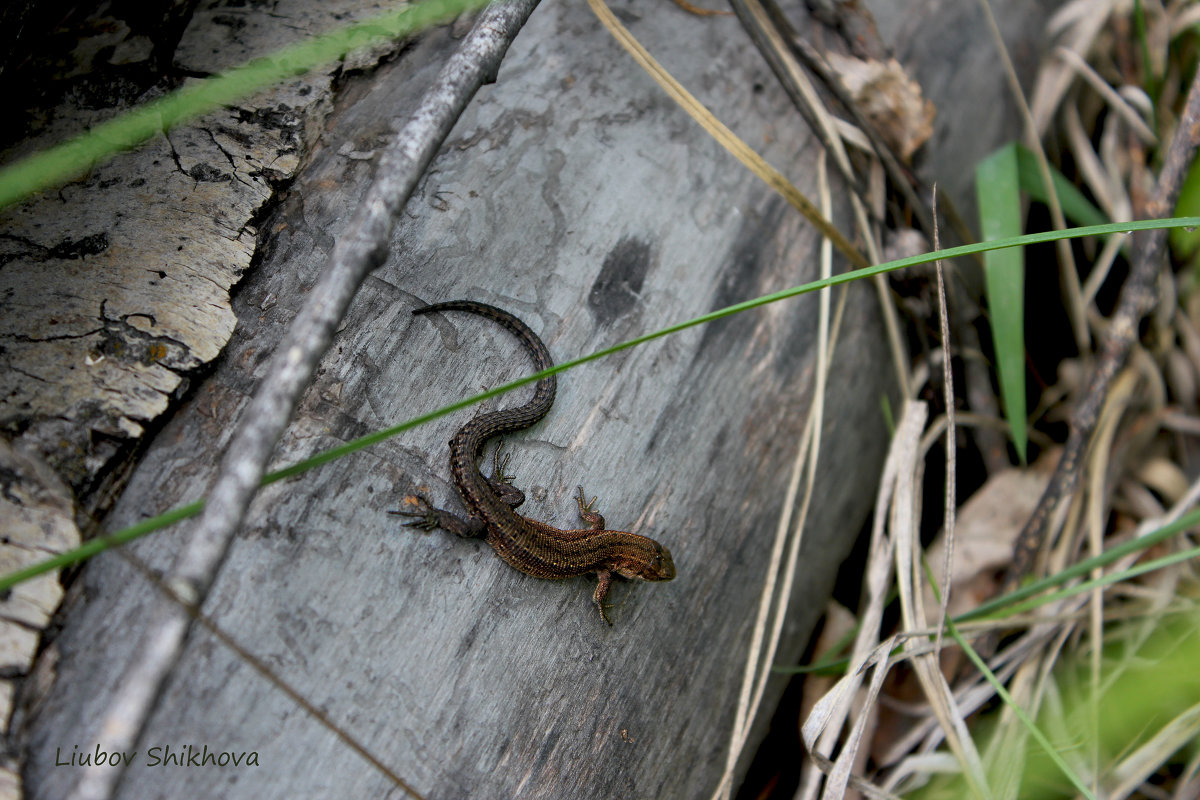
[501, 482]
[427, 518]
[603, 584]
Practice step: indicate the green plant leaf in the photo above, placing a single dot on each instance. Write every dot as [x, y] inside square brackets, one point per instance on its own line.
[997, 187]
[1186, 243]
[1075, 206]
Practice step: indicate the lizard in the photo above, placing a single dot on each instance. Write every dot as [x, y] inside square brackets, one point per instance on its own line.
[533, 547]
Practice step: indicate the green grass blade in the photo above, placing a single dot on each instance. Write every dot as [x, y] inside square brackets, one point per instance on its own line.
[1026, 721]
[1030, 726]
[998, 607]
[162, 520]
[999, 195]
[1019, 601]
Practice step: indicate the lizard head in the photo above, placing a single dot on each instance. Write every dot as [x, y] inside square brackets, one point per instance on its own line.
[650, 563]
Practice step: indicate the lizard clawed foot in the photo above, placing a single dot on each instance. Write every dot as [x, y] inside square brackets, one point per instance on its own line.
[500, 465]
[425, 519]
[594, 519]
[501, 482]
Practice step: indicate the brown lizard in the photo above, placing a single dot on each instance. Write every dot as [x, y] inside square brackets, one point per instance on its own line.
[533, 547]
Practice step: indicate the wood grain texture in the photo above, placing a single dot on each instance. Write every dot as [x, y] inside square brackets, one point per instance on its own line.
[574, 194]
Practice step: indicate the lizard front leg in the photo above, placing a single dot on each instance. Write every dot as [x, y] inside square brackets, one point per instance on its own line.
[604, 577]
[593, 518]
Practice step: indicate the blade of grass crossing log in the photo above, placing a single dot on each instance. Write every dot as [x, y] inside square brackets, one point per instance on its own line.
[163, 520]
